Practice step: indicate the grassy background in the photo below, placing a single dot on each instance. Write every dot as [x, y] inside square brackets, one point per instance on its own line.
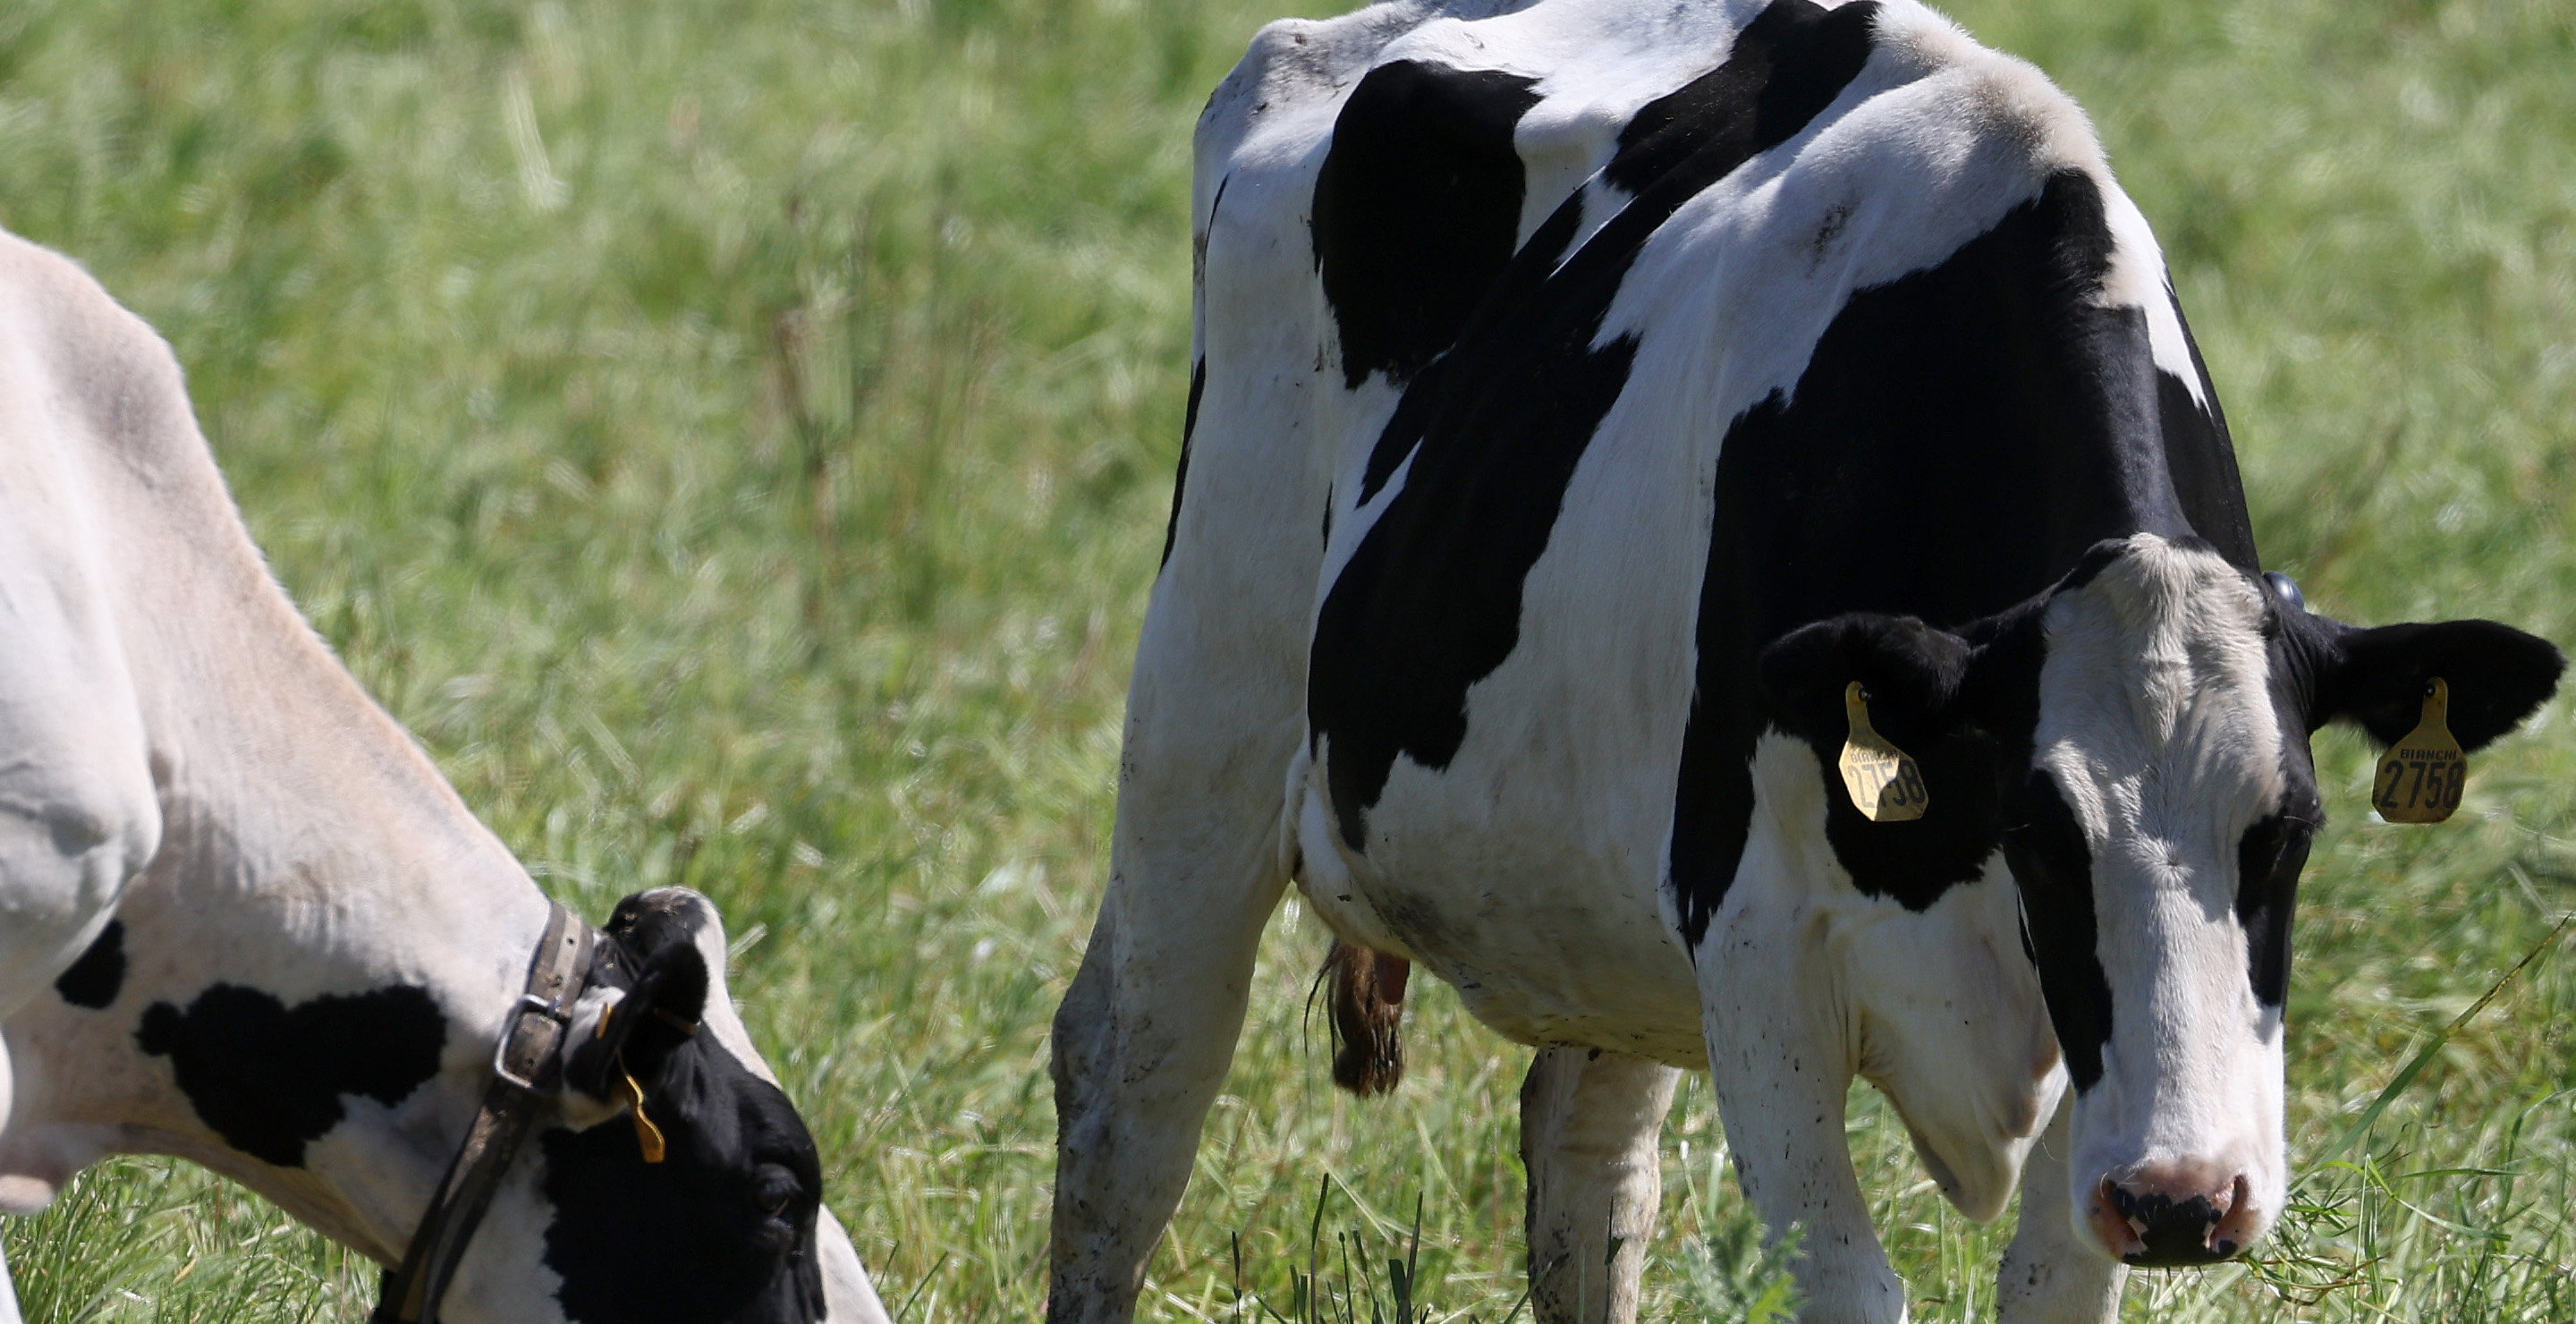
[736, 438]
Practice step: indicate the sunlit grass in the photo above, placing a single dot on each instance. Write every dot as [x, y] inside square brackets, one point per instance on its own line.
[736, 438]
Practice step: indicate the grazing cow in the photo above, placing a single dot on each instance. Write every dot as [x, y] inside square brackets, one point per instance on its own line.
[250, 924]
[1602, 410]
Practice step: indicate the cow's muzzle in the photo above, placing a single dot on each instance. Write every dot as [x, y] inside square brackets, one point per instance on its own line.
[2162, 1217]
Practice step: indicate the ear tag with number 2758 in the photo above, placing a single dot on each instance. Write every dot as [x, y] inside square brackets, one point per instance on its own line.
[2421, 778]
[1885, 785]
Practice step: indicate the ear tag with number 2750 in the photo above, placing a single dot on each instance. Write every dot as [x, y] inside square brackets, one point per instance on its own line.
[2421, 778]
[1885, 785]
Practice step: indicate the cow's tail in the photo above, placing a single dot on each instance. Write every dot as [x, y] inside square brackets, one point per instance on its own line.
[1366, 993]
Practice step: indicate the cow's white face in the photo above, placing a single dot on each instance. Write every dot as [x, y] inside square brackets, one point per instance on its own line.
[2160, 768]
[2146, 723]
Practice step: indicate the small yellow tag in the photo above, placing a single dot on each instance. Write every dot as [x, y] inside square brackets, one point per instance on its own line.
[1885, 785]
[2421, 779]
[647, 1136]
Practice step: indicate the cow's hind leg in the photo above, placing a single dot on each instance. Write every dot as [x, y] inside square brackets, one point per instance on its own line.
[1215, 718]
[2048, 1275]
[1590, 1122]
[1141, 1045]
[1147, 1031]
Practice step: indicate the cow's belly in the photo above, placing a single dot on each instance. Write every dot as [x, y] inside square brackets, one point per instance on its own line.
[1526, 868]
[1544, 916]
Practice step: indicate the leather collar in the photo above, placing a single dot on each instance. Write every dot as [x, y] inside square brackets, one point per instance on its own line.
[527, 1069]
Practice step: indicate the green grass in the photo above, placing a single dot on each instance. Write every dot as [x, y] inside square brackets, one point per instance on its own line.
[736, 439]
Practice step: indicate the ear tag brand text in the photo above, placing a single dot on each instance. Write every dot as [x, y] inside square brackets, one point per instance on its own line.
[2421, 779]
[1885, 785]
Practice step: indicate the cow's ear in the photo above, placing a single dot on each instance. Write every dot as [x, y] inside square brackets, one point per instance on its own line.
[1909, 672]
[2377, 677]
[638, 1034]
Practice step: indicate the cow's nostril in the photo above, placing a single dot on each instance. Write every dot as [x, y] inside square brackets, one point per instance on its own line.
[2237, 1228]
[2119, 1234]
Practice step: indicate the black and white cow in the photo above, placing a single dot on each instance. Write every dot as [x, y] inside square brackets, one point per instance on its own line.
[250, 925]
[1588, 392]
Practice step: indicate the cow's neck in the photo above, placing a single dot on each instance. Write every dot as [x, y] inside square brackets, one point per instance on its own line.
[324, 833]
[316, 865]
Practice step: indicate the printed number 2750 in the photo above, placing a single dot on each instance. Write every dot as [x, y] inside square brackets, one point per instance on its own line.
[2426, 784]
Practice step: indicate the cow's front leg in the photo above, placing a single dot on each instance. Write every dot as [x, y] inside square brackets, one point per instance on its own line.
[2049, 1274]
[1590, 1125]
[1782, 1058]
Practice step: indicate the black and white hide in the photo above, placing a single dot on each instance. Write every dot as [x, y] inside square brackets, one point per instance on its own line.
[250, 925]
[1586, 394]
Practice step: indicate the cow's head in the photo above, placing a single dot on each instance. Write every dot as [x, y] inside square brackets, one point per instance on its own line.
[725, 1225]
[728, 1226]
[2148, 720]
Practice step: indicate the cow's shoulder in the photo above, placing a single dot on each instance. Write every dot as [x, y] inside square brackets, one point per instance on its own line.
[1838, 148]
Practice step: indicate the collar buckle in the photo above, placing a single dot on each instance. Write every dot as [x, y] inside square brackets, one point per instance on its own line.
[537, 1051]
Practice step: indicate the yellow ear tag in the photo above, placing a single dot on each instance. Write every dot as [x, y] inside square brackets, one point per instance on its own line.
[2421, 779]
[1885, 785]
[647, 1135]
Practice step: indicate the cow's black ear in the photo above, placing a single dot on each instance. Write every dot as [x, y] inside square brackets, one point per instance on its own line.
[659, 1013]
[2376, 677]
[1909, 670]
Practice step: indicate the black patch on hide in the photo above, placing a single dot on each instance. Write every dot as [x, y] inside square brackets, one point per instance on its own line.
[2054, 870]
[2202, 458]
[269, 1080]
[2268, 860]
[98, 976]
[1417, 206]
[1181, 471]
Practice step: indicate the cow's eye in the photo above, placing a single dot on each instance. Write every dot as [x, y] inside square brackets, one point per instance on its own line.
[773, 1187]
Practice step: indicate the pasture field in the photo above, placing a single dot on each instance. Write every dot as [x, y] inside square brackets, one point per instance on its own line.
[736, 439]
